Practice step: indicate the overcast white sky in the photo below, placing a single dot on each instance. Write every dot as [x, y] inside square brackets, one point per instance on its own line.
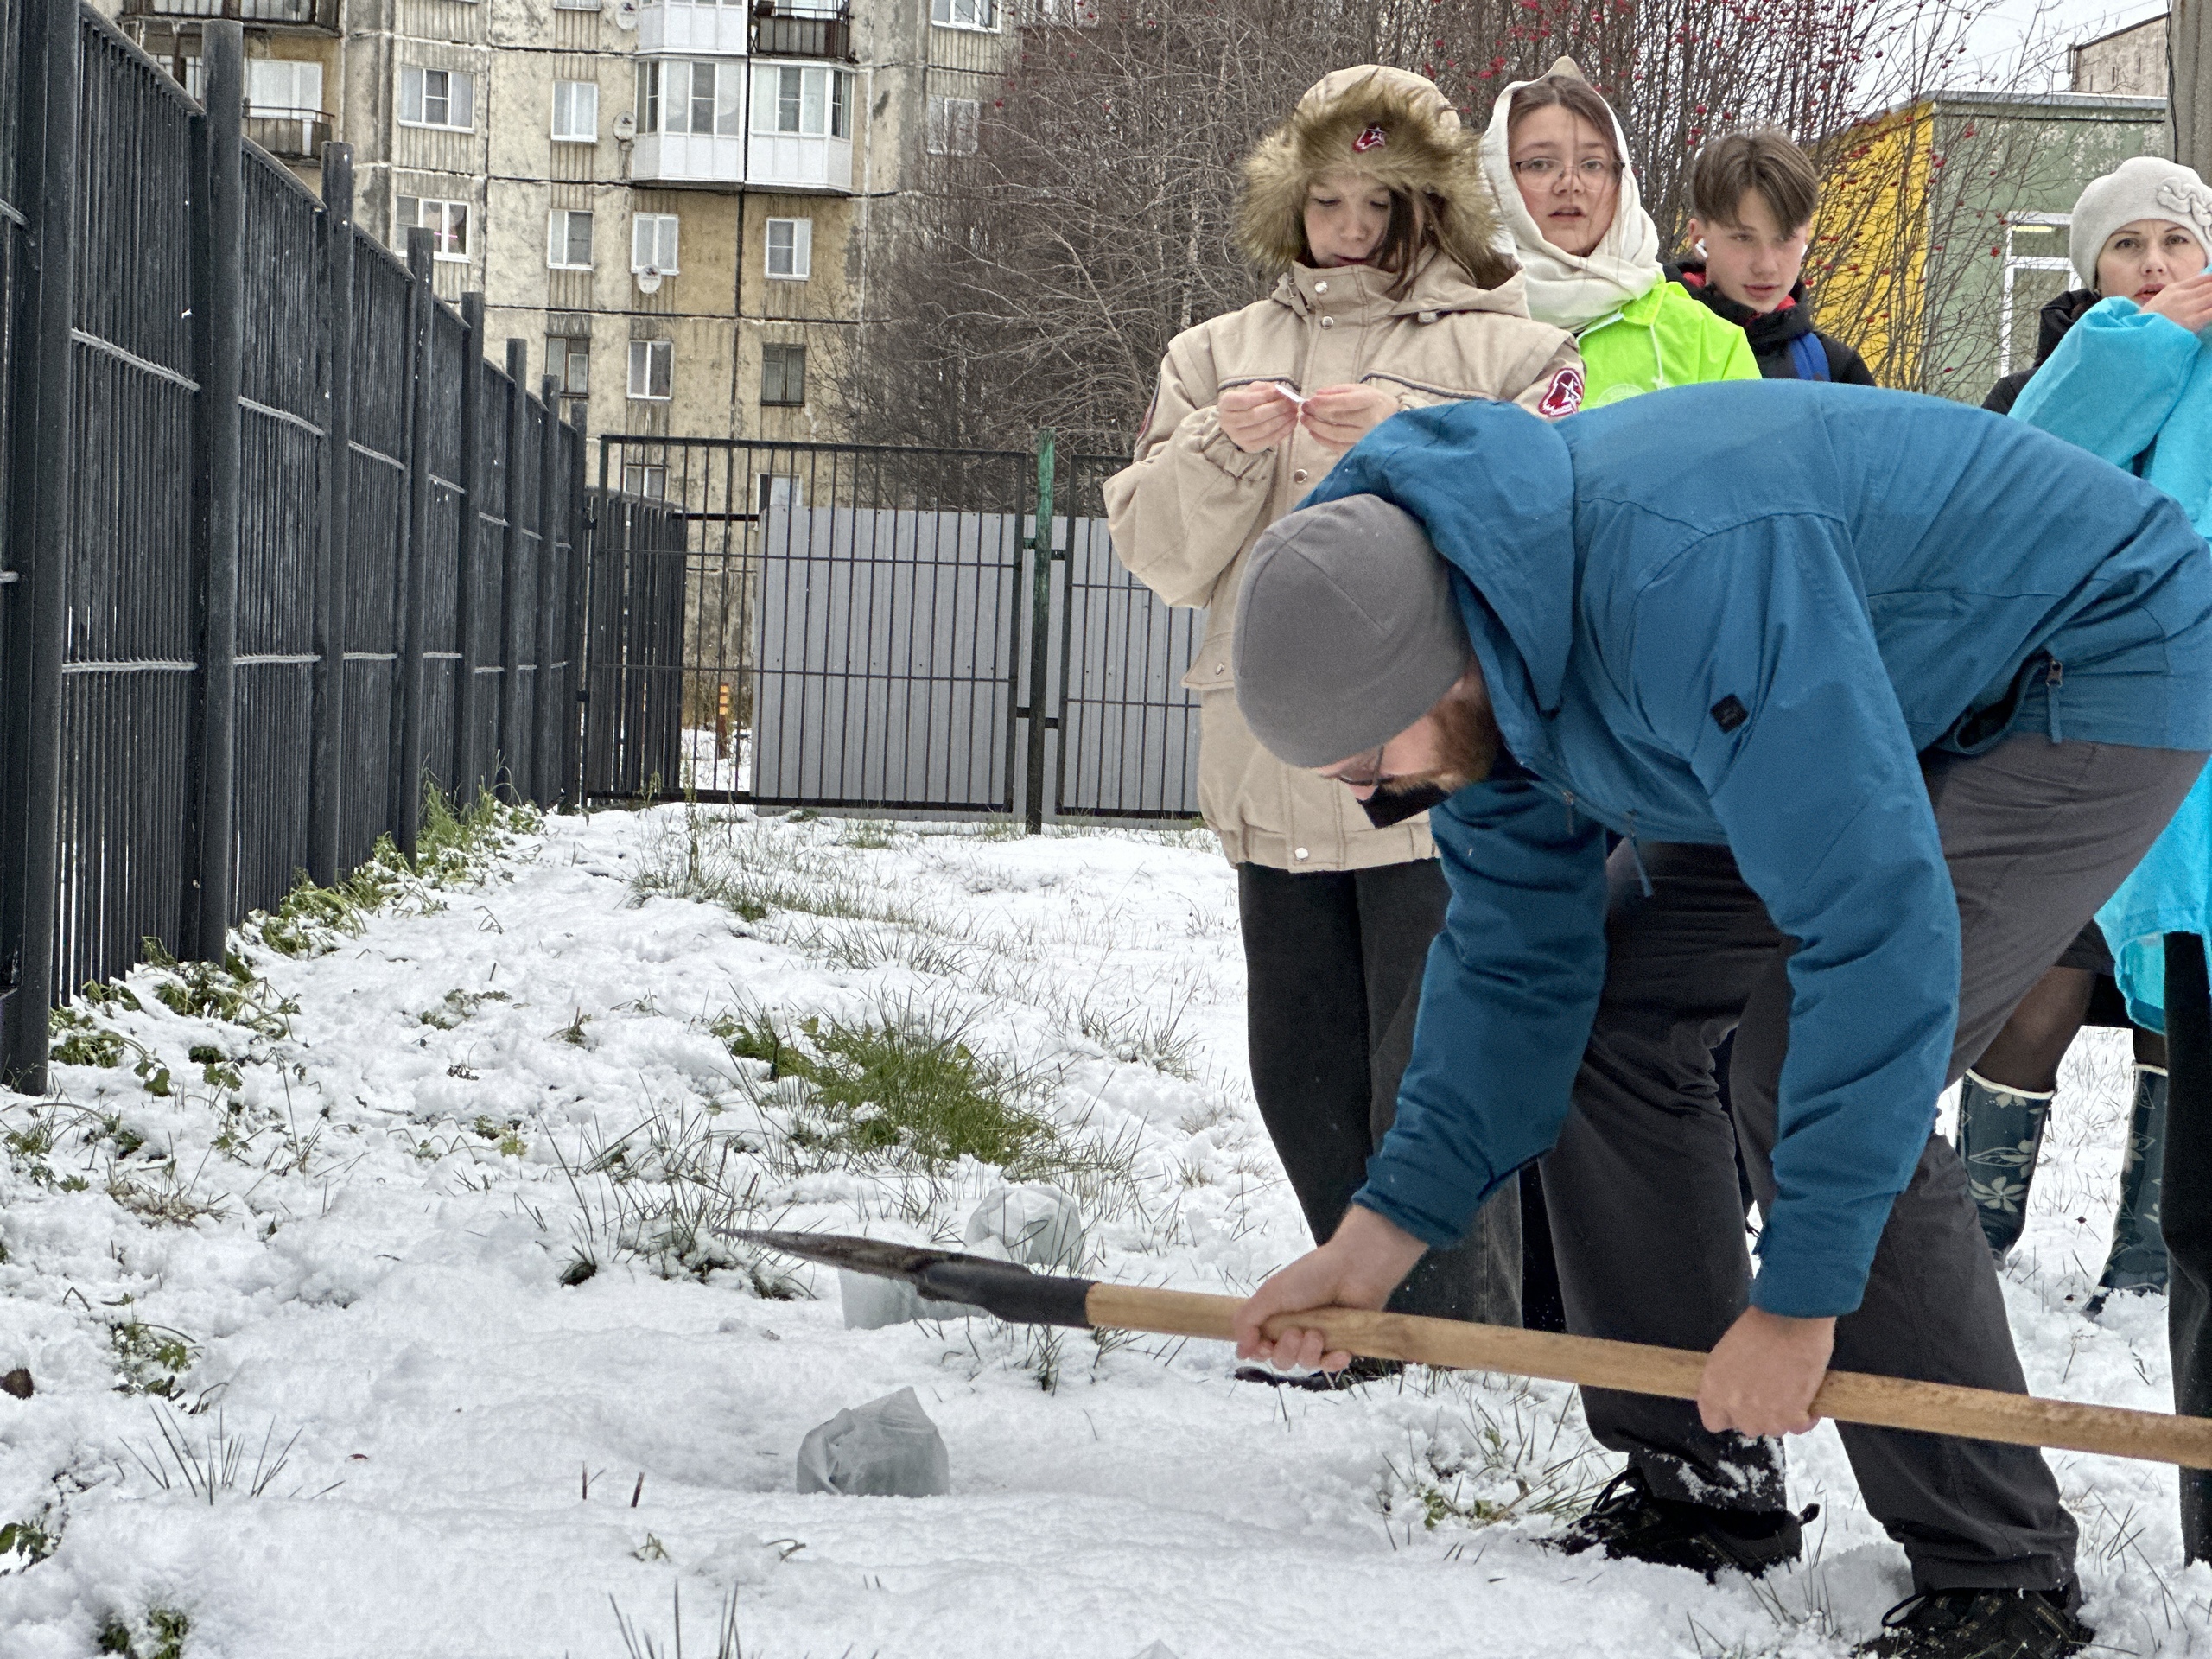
[2042, 28]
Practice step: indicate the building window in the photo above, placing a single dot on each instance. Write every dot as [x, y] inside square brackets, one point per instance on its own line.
[568, 359]
[575, 112]
[964, 14]
[791, 248]
[568, 239]
[276, 86]
[652, 243]
[814, 103]
[650, 481]
[782, 376]
[448, 223]
[952, 123]
[437, 98]
[576, 5]
[677, 95]
[650, 361]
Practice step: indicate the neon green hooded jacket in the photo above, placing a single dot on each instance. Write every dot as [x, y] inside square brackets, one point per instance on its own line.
[1660, 338]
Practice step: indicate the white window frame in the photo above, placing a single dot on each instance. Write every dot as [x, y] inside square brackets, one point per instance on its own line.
[458, 98]
[296, 101]
[579, 126]
[559, 238]
[783, 348]
[648, 478]
[952, 125]
[982, 15]
[832, 103]
[562, 351]
[667, 100]
[652, 360]
[441, 226]
[2043, 224]
[653, 235]
[798, 250]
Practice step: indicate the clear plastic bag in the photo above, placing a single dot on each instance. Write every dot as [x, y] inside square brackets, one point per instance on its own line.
[1037, 1225]
[886, 1448]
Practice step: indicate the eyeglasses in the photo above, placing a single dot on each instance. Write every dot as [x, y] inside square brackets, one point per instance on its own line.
[1589, 170]
[1361, 771]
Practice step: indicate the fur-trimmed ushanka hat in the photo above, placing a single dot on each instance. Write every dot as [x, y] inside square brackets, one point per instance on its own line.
[1382, 123]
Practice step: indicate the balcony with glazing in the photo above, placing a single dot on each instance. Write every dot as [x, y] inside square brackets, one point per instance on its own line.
[699, 27]
[800, 132]
[782, 28]
[321, 15]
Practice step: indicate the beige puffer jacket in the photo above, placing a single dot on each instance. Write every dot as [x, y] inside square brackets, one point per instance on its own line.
[1184, 515]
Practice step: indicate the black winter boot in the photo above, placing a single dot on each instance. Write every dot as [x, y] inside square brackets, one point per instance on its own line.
[1628, 1522]
[1981, 1625]
[2000, 1131]
[2138, 1261]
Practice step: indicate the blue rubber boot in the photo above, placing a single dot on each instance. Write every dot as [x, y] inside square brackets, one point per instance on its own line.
[2000, 1131]
[2138, 1261]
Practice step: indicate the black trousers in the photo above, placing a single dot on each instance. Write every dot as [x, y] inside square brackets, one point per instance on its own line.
[2185, 1212]
[1333, 964]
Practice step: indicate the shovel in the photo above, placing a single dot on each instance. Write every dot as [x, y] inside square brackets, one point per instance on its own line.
[1021, 1297]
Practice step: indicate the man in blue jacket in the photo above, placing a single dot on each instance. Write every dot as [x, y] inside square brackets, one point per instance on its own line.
[1882, 699]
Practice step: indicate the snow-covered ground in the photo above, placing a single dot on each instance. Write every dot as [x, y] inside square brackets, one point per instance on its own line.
[312, 1379]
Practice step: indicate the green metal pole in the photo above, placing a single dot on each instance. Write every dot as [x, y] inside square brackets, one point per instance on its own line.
[1040, 630]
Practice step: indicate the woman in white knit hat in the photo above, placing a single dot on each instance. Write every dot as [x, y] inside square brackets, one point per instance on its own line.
[2129, 376]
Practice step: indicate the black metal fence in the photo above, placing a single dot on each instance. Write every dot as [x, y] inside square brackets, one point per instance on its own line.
[855, 626]
[280, 547]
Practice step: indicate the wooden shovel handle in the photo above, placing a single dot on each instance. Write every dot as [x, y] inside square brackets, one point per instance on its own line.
[1634, 1367]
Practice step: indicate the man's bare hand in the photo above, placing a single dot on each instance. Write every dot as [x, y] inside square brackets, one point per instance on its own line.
[2188, 302]
[1339, 416]
[1255, 416]
[1761, 1378]
[1357, 1268]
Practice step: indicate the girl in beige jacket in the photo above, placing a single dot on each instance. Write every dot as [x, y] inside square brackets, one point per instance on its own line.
[1370, 203]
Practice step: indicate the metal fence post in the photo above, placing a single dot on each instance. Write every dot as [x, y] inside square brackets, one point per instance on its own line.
[579, 535]
[218, 301]
[544, 774]
[324, 783]
[422, 307]
[511, 558]
[41, 471]
[1040, 633]
[468, 780]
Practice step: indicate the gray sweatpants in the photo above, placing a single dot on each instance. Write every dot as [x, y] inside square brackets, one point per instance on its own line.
[1645, 1211]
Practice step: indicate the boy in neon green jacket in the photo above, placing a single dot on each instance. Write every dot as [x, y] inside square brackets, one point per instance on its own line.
[1556, 158]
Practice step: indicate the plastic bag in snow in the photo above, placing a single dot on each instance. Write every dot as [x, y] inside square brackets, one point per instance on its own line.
[1037, 1225]
[872, 1303]
[886, 1448]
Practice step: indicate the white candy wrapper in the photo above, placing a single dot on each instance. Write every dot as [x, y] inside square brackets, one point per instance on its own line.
[886, 1448]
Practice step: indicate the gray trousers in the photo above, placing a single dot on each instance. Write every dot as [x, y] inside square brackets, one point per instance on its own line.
[1645, 1212]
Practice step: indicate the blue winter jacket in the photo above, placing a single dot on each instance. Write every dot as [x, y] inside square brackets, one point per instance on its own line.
[1753, 651]
[2136, 388]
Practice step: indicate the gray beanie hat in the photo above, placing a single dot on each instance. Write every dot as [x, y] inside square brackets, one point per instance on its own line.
[1347, 632]
[2143, 187]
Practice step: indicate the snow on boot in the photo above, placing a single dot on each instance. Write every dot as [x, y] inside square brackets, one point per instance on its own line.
[2138, 1261]
[1981, 1625]
[1629, 1522]
[2000, 1131]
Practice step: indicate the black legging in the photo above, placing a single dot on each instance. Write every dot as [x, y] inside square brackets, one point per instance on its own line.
[2185, 1212]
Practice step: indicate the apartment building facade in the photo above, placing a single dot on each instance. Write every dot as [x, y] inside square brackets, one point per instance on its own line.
[674, 202]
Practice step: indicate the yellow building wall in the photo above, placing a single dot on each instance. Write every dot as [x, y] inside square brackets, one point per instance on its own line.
[1867, 265]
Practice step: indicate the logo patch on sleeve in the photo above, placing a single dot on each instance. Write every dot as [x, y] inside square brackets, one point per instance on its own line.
[1729, 713]
[1563, 395]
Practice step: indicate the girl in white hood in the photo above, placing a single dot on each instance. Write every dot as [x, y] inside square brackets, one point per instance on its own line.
[1557, 160]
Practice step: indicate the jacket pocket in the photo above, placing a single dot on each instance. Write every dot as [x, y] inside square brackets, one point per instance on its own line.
[1212, 669]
